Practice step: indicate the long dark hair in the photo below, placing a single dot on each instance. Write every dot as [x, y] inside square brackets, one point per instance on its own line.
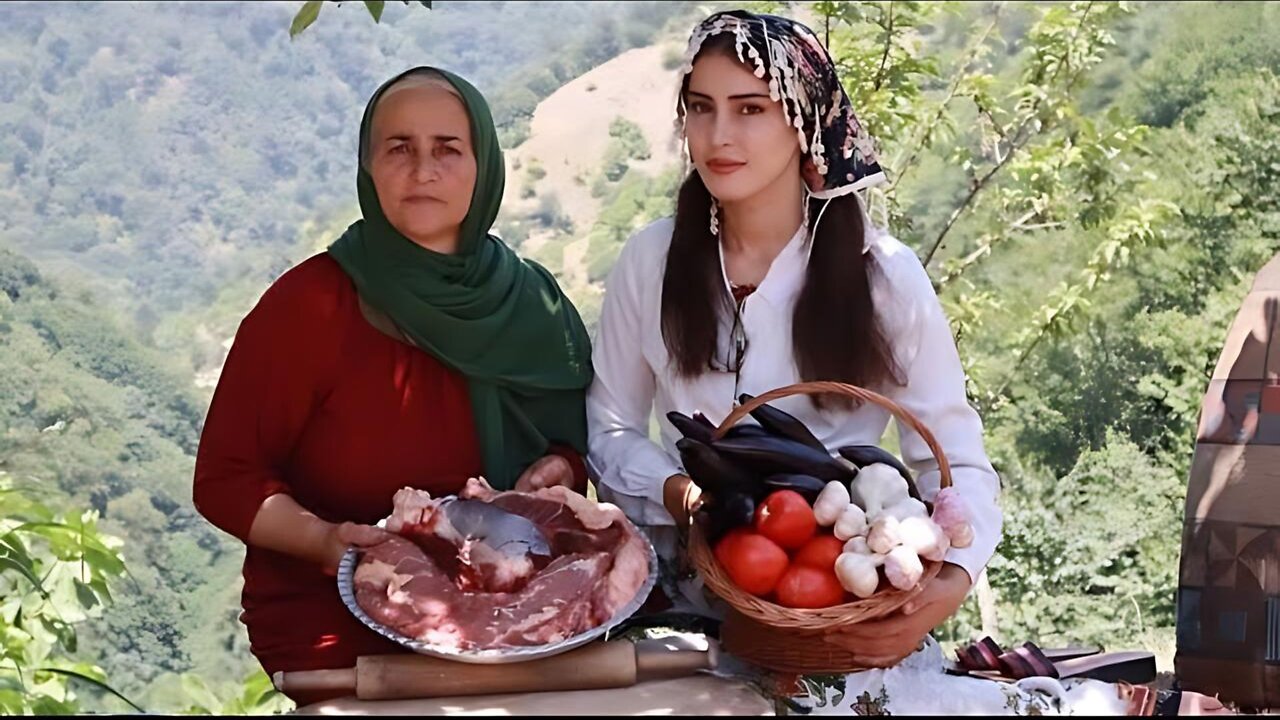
[834, 330]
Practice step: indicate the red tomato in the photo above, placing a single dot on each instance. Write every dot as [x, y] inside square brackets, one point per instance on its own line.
[786, 518]
[802, 586]
[754, 562]
[820, 552]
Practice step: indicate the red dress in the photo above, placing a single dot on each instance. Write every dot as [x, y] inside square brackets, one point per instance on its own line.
[315, 402]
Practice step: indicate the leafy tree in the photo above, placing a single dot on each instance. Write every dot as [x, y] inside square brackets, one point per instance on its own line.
[310, 11]
[55, 572]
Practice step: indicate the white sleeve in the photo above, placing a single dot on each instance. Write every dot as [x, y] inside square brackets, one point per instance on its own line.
[630, 468]
[935, 394]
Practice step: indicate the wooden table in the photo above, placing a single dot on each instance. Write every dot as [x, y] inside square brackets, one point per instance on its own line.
[694, 695]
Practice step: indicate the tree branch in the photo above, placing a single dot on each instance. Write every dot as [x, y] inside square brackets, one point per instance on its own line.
[917, 145]
[984, 248]
[888, 42]
[955, 214]
[1017, 142]
[1022, 358]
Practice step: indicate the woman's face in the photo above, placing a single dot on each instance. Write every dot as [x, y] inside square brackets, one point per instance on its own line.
[422, 162]
[738, 139]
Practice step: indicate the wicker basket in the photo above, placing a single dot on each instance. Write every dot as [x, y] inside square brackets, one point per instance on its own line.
[789, 640]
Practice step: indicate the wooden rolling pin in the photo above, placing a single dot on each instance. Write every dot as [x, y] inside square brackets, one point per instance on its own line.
[617, 663]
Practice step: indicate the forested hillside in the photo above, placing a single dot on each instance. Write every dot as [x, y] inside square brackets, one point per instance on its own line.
[1091, 185]
[160, 164]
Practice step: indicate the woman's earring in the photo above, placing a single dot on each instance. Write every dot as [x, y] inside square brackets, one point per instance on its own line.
[715, 217]
[804, 203]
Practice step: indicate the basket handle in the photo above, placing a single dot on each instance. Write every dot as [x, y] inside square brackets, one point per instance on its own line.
[853, 391]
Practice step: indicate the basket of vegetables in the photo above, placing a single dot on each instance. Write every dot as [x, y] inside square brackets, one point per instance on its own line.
[799, 540]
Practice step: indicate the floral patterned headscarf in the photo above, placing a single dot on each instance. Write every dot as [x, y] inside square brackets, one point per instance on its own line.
[802, 77]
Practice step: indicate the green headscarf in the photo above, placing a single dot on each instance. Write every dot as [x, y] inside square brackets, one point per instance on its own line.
[494, 317]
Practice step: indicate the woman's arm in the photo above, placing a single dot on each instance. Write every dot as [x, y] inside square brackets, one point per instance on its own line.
[283, 355]
[562, 465]
[283, 525]
[632, 469]
[935, 394]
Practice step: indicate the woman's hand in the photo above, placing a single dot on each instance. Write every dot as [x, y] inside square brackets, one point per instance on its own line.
[680, 496]
[548, 471]
[286, 527]
[338, 537]
[886, 641]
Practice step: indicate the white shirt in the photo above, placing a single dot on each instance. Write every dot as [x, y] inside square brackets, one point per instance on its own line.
[635, 376]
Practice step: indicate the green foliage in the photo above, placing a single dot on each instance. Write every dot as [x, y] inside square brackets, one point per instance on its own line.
[55, 571]
[626, 143]
[636, 201]
[534, 171]
[307, 15]
[1092, 556]
[113, 424]
[1090, 263]
[209, 189]
[205, 126]
[549, 215]
[1091, 185]
[604, 35]
[193, 695]
[310, 11]
[1197, 50]
[56, 575]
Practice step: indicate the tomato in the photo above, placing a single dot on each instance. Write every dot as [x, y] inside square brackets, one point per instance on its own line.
[754, 562]
[820, 552]
[786, 518]
[802, 586]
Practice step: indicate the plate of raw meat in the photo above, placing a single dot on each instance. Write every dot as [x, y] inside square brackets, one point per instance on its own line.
[496, 577]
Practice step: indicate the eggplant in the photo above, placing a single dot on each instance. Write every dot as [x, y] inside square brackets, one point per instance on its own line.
[690, 428]
[713, 525]
[719, 515]
[747, 431]
[863, 455]
[782, 424]
[711, 472]
[807, 485]
[765, 456]
[737, 508]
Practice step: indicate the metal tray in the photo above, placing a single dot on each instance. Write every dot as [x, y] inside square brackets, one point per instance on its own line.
[346, 589]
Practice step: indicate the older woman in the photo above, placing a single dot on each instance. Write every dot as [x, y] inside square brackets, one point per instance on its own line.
[418, 351]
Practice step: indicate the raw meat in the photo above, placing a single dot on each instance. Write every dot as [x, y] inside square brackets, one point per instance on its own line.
[465, 574]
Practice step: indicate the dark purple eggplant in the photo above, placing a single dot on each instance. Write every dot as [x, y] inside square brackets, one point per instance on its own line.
[690, 428]
[782, 424]
[807, 485]
[765, 456]
[710, 524]
[712, 473]
[718, 515]
[863, 455]
[738, 508]
[747, 431]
